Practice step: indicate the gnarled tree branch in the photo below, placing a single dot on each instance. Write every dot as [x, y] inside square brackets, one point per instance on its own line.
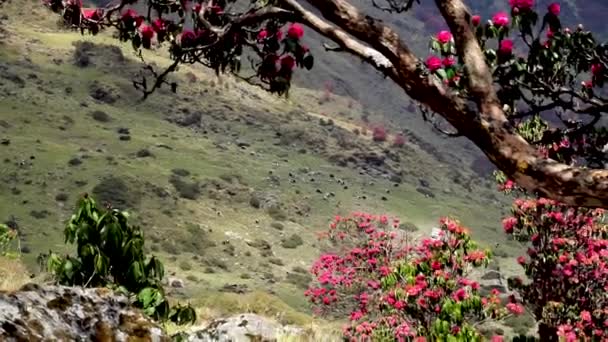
[487, 126]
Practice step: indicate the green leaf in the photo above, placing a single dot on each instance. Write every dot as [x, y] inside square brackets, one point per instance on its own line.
[442, 74]
[101, 264]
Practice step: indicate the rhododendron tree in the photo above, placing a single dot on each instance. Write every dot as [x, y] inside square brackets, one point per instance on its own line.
[518, 64]
[567, 267]
[394, 290]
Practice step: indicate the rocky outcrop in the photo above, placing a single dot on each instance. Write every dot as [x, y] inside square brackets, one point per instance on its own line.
[56, 313]
[241, 328]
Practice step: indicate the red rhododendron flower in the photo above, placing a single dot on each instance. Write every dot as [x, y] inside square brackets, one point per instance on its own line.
[515, 308]
[597, 69]
[554, 8]
[188, 38]
[500, 19]
[522, 4]
[288, 62]
[159, 25]
[262, 35]
[433, 63]
[444, 37]
[449, 61]
[506, 47]
[295, 31]
[92, 14]
[146, 31]
[475, 20]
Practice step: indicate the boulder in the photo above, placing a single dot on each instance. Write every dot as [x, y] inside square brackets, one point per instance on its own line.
[57, 313]
[241, 328]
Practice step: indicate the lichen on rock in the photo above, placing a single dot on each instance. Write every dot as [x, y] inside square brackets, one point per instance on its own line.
[57, 313]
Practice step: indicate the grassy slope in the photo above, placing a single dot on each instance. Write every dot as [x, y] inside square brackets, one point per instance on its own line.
[54, 125]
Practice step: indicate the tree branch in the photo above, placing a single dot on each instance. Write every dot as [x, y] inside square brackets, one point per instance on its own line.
[487, 126]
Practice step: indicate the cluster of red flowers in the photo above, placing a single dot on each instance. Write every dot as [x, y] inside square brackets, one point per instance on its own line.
[567, 264]
[281, 64]
[400, 291]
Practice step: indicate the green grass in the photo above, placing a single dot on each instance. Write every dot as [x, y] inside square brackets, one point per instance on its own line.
[37, 111]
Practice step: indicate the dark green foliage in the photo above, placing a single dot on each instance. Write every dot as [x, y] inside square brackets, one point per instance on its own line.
[184, 188]
[110, 253]
[116, 191]
[301, 280]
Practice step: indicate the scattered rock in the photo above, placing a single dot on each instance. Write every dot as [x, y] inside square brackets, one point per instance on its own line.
[426, 192]
[176, 283]
[103, 93]
[242, 328]
[61, 197]
[144, 153]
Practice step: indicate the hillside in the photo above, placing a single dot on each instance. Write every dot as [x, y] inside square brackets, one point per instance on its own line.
[229, 183]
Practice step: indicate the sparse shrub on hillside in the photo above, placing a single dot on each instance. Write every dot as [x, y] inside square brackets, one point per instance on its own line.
[185, 189]
[110, 252]
[101, 116]
[379, 134]
[293, 241]
[117, 192]
[391, 291]
[399, 140]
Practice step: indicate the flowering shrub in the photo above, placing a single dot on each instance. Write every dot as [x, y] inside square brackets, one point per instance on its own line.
[567, 258]
[279, 51]
[399, 140]
[379, 133]
[391, 290]
[567, 264]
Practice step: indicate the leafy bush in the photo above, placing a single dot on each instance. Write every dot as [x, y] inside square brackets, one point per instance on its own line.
[293, 241]
[110, 253]
[7, 236]
[393, 291]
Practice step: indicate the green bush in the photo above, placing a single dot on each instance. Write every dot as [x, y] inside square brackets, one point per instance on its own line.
[110, 253]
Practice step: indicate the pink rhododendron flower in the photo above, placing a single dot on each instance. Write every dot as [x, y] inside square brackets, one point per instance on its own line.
[515, 308]
[506, 47]
[288, 62]
[444, 37]
[500, 19]
[521, 4]
[433, 63]
[262, 35]
[295, 31]
[449, 61]
[597, 69]
[554, 8]
[475, 20]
